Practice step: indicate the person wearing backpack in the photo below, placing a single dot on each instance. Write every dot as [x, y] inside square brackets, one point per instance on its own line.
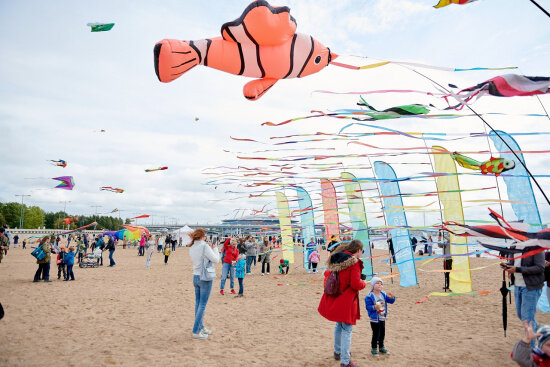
[340, 301]
[43, 271]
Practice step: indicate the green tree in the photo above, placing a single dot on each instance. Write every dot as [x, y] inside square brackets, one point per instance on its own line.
[34, 217]
[12, 213]
[2, 220]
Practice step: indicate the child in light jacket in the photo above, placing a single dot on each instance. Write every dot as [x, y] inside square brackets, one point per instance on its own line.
[314, 259]
[240, 273]
[376, 302]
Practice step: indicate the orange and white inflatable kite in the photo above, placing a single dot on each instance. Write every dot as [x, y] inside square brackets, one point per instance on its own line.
[262, 43]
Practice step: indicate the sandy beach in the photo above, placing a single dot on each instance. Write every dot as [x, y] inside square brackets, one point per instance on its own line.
[132, 316]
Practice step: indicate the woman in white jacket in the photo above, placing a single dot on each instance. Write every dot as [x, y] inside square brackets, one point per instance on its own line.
[199, 252]
[150, 250]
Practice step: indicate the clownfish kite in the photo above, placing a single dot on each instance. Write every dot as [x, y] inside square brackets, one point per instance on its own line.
[493, 165]
[262, 43]
[59, 163]
[112, 189]
[156, 169]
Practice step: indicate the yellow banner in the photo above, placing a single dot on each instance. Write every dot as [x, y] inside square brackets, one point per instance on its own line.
[460, 281]
[287, 241]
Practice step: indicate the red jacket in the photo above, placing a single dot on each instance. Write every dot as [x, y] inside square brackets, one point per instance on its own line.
[345, 307]
[231, 253]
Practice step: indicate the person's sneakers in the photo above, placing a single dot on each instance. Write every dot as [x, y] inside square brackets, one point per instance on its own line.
[262, 274]
[35, 281]
[233, 291]
[384, 351]
[248, 273]
[374, 351]
[221, 292]
[337, 356]
[200, 335]
[267, 273]
[206, 331]
[47, 281]
[350, 364]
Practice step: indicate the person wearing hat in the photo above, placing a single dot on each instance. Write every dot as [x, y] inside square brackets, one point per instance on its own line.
[539, 355]
[376, 302]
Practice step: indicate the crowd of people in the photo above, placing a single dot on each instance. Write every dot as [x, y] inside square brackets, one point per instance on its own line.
[343, 280]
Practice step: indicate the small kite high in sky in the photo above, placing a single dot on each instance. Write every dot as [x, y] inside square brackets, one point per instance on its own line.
[59, 163]
[262, 43]
[156, 169]
[493, 165]
[67, 182]
[101, 27]
[111, 189]
[140, 216]
[443, 3]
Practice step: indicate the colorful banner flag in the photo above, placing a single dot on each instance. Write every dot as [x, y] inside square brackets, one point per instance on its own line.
[519, 186]
[358, 218]
[451, 200]
[307, 221]
[330, 208]
[286, 227]
[401, 239]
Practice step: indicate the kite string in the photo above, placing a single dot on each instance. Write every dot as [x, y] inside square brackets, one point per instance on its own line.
[493, 130]
[540, 7]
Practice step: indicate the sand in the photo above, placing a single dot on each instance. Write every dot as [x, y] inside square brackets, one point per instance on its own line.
[132, 316]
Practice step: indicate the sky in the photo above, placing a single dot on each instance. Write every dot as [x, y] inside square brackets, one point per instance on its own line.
[60, 84]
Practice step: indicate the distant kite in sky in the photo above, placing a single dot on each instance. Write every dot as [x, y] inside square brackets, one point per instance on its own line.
[101, 27]
[493, 165]
[59, 163]
[112, 189]
[443, 3]
[114, 210]
[196, 119]
[67, 182]
[156, 169]
[140, 216]
[262, 43]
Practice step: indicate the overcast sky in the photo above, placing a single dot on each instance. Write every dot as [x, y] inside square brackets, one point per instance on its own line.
[60, 85]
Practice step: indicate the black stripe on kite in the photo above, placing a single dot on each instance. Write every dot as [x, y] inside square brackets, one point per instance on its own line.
[291, 56]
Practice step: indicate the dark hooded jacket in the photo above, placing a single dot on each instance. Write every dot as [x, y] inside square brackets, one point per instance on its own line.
[345, 307]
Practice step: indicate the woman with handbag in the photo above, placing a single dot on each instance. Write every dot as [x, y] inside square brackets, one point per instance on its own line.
[43, 271]
[202, 255]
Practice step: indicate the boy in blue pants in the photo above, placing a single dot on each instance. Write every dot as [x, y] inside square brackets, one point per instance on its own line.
[240, 273]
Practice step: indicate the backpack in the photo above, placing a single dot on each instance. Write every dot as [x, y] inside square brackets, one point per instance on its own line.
[332, 285]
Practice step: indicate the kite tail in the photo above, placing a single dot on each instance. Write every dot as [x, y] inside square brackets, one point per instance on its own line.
[173, 58]
[466, 162]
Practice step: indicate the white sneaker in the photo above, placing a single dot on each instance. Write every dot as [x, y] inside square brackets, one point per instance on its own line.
[248, 273]
[262, 274]
[267, 273]
[200, 335]
[206, 331]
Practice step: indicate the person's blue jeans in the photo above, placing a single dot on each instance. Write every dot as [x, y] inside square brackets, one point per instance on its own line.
[70, 273]
[241, 285]
[526, 303]
[249, 260]
[227, 268]
[202, 292]
[111, 261]
[342, 341]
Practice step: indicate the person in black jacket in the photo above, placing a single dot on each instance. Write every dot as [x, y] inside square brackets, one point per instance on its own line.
[111, 248]
[529, 280]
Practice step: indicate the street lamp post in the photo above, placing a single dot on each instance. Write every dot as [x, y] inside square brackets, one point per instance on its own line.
[22, 211]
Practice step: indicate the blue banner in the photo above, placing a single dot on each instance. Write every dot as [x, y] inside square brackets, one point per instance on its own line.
[401, 239]
[519, 188]
[307, 222]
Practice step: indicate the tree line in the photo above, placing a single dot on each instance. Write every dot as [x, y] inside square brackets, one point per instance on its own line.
[34, 217]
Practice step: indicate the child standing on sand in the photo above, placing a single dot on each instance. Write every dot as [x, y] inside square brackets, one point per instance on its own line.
[376, 302]
[240, 273]
[166, 254]
[69, 260]
[60, 263]
[314, 258]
